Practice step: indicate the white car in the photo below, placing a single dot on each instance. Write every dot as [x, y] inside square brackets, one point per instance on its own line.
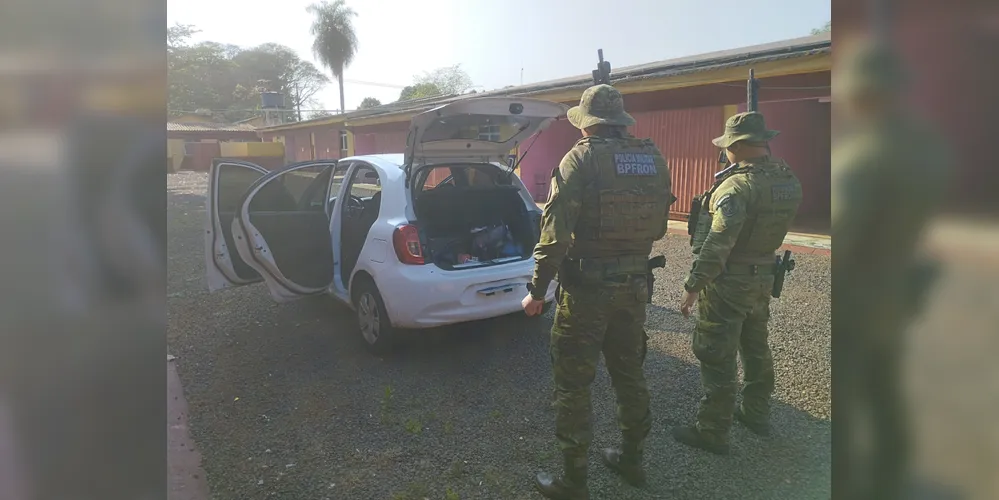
[442, 234]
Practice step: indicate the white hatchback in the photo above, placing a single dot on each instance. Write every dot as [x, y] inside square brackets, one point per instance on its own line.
[442, 234]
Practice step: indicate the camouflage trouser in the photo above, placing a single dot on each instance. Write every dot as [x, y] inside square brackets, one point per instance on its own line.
[732, 320]
[870, 324]
[591, 320]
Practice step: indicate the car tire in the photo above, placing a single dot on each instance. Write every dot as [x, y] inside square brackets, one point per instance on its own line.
[375, 328]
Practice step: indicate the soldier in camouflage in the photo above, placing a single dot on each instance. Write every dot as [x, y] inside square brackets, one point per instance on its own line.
[743, 221]
[608, 203]
[889, 176]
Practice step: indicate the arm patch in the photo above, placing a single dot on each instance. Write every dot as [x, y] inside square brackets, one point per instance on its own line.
[725, 205]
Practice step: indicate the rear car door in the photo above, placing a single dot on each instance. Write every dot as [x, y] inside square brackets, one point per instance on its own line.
[282, 230]
[228, 181]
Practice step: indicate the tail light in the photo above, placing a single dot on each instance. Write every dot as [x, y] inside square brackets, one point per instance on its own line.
[406, 241]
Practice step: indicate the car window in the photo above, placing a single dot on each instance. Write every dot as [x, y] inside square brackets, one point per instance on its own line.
[365, 183]
[293, 191]
[233, 181]
[339, 175]
[437, 177]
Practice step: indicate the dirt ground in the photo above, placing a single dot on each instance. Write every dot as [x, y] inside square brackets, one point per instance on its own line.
[285, 403]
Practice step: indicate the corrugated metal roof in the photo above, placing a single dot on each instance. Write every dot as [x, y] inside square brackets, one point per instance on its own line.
[209, 127]
[744, 56]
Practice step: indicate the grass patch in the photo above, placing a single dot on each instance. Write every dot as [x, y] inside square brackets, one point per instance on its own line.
[413, 491]
[450, 494]
[386, 407]
[456, 469]
[414, 426]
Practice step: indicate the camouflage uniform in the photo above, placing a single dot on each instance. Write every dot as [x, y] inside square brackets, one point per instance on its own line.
[743, 221]
[889, 174]
[608, 203]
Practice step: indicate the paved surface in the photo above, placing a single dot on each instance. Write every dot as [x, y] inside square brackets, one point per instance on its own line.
[285, 403]
[186, 479]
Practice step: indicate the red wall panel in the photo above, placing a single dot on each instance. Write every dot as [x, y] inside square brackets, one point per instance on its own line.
[804, 143]
[684, 137]
[546, 153]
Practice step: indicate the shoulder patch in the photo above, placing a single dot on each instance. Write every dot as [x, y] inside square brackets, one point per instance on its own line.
[725, 206]
[782, 192]
[635, 164]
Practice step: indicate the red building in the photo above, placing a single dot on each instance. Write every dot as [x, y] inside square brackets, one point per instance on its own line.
[681, 104]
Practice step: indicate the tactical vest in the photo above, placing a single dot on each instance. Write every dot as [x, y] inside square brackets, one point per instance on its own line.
[625, 202]
[777, 195]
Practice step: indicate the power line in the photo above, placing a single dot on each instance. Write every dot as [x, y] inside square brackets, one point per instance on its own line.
[375, 84]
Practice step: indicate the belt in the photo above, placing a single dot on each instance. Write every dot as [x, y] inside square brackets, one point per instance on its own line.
[750, 269]
[608, 266]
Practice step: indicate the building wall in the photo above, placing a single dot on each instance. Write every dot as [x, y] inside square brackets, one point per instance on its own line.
[804, 143]
[949, 52]
[684, 137]
[545, 155]
[380, 139]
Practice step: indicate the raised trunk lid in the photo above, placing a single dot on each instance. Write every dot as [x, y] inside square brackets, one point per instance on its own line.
[483, 129]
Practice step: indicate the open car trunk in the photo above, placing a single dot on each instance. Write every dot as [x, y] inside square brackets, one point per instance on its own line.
[464, 227]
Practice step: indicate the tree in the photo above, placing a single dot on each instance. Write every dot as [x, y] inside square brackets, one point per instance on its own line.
[228, 79]
[335, 41]
[419, 91]
[451, 80]
[369, 102]
[322, 113]
[825, 27]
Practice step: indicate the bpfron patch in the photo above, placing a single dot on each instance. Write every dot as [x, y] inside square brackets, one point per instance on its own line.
[635, 164]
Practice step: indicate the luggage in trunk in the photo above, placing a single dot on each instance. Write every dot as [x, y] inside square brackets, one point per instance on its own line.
[465, 227]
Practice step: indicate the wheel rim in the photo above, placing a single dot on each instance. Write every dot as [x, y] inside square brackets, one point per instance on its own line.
[368, 318]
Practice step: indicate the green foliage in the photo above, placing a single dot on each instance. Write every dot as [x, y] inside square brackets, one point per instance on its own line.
[451, 80]
[228, 79]
[369, 102]
[414, 426]
[825, 27]
[334, 39]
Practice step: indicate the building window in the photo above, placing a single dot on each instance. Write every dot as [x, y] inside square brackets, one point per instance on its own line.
[489, 133]
[343, 140]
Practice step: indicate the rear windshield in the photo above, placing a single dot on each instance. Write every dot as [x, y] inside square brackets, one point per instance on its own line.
[451, 176]
[476, 128]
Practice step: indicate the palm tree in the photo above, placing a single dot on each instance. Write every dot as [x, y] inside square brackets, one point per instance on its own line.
[335, 41]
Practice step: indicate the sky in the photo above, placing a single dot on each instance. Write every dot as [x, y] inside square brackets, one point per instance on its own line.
[506, 42]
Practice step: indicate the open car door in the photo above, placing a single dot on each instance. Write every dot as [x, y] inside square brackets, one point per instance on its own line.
[282, 230]
[228, 181]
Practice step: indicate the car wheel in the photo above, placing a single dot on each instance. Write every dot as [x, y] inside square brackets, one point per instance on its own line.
[372, 319]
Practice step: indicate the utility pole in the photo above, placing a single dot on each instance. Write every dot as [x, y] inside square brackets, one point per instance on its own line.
[298, 102]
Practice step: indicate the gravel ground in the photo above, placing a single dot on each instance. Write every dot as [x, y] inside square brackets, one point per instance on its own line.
[285, 403]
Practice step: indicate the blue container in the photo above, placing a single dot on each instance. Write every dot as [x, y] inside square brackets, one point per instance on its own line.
[271, 100]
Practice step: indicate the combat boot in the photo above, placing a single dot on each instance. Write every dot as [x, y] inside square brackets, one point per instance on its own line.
[756, 427]
[570, 486]
[626, 465]
[690, 435]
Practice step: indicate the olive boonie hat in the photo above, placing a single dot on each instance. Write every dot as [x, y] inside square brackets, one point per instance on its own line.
[600, 105]
[744, 127]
